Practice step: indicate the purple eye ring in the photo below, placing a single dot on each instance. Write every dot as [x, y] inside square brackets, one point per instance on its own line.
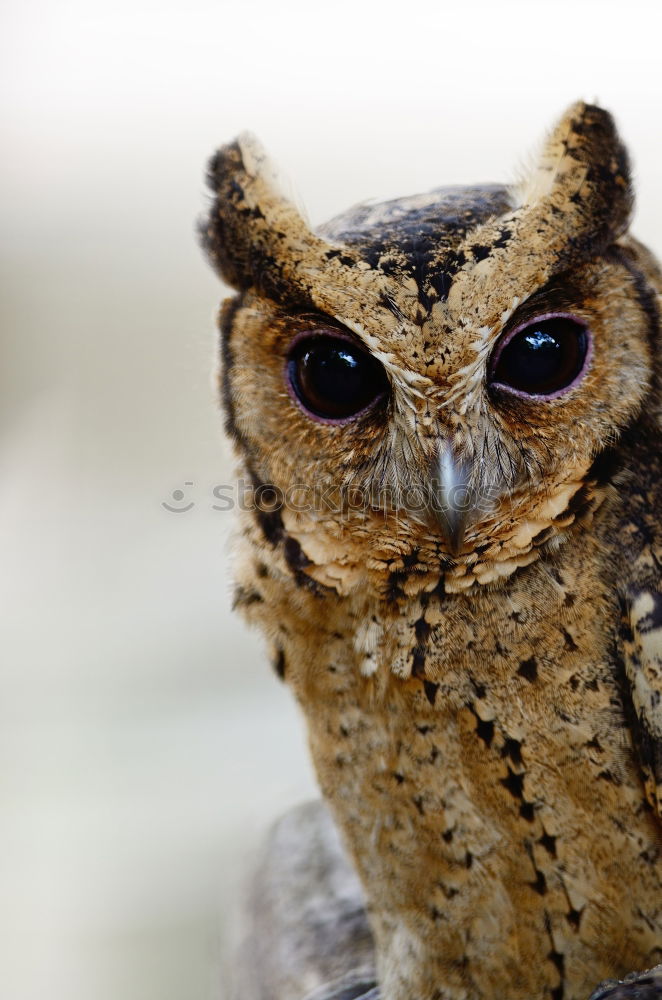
[543, 357]
[331, 377]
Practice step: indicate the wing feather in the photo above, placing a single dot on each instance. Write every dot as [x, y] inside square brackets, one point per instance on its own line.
[642, 649]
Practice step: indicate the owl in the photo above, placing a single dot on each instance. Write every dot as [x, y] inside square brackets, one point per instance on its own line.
[448, 407]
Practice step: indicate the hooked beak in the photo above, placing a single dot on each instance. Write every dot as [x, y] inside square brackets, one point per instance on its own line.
[450, 495]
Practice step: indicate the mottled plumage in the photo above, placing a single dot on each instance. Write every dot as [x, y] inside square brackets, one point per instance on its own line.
[481, 679]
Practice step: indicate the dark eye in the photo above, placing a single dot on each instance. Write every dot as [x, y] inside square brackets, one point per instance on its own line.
[332, 377]
[543, 358]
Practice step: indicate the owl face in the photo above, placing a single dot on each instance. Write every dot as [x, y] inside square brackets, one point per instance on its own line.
[427, 383]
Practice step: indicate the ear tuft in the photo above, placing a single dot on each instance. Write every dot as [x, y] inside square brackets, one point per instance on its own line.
[584, 171]
[253, 232]
[225, 234]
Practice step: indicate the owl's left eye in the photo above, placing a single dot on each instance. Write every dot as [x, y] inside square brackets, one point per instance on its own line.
[543, 358]
[332, 377]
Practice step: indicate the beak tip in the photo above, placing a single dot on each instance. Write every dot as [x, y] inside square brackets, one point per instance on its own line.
[452, 476]
[453, 524]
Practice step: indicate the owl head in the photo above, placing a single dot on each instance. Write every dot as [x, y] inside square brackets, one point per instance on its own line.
[434, 384]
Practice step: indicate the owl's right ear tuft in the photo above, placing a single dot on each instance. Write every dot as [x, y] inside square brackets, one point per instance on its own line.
[224, 234]
[254, 235]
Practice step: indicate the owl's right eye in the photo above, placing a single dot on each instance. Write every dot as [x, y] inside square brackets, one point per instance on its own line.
[334, 378]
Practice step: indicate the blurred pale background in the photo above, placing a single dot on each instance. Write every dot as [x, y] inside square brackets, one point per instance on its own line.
[144, 744]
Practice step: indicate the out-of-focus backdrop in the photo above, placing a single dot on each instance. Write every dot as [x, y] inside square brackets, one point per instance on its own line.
[144, 743]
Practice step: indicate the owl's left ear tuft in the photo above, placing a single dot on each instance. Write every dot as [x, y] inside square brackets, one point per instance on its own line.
[583, 172]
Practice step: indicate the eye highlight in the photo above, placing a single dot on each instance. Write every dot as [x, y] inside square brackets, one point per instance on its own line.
[334, 378]
[545, 357]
